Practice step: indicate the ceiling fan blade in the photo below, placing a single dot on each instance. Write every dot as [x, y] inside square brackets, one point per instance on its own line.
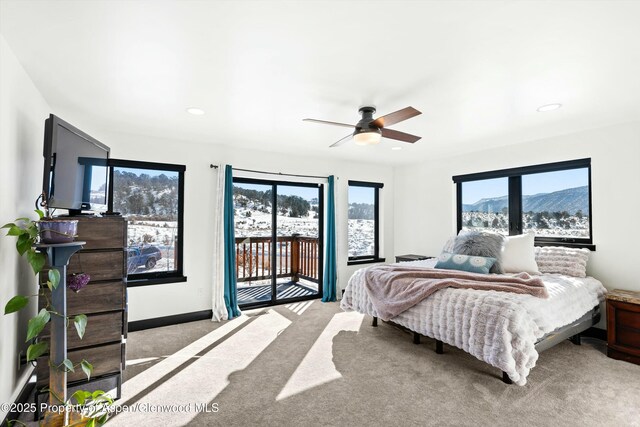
[395, 117]
[400, 136]
[328, 123]
[341, 141]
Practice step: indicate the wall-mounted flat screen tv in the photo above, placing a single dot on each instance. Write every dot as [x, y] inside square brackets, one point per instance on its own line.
[75, 168]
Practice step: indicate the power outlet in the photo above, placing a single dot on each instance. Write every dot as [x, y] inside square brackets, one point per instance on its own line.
[22, 359]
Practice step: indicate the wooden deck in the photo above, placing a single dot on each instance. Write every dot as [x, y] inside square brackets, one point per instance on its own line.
[262, 293]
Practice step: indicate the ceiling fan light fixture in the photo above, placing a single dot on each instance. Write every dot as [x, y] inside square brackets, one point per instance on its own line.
[367, 136]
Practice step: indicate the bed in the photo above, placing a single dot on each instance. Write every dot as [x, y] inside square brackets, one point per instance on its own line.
[503, 329]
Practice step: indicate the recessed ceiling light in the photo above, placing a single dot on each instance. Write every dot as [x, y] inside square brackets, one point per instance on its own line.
[195, 111]
[396, 148]
[548, 107]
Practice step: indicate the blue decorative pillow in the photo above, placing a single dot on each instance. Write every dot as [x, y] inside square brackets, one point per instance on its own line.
[470, 263]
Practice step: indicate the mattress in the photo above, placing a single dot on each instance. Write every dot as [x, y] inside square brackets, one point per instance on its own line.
[500, 328]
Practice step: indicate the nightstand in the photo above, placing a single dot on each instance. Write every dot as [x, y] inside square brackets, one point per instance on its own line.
[411, 257]
[623, 325]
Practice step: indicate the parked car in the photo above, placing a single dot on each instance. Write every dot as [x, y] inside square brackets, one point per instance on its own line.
[145, 256]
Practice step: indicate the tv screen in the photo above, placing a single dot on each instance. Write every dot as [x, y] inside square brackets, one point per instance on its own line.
[75, 168]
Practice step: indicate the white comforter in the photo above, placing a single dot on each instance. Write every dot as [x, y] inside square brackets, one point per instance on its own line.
[499, 328]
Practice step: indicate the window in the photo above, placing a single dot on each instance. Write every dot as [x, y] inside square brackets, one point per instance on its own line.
[364, 224]
[485, 205]
[551, 200]
[151, 197]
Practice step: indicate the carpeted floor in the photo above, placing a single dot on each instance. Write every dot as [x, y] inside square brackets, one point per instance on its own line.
[318, 366]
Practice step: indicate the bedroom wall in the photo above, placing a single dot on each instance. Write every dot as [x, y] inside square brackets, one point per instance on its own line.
[425, 195]
[23, 111]
[195, 295]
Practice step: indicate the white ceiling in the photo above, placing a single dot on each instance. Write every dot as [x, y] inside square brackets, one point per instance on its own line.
[476, 69]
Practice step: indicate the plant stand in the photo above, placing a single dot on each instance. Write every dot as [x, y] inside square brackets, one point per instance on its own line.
[59, 255]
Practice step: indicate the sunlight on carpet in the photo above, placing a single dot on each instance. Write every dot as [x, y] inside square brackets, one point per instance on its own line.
[300, 307]
[233, 354]
[140, 361]
[317, 366]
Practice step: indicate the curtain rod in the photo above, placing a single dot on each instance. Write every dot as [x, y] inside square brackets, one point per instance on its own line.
[212, 166]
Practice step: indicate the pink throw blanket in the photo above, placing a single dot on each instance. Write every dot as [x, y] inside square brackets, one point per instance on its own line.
[394, 289]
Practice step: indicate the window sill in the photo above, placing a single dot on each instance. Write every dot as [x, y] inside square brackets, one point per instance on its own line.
[365, 261]
[155, 281]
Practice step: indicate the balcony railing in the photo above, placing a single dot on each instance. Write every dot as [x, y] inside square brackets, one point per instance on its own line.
[297, 257]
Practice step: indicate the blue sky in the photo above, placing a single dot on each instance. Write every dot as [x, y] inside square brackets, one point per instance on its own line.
[531, 184]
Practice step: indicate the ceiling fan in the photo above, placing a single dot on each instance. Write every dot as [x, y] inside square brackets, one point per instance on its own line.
[369, 131]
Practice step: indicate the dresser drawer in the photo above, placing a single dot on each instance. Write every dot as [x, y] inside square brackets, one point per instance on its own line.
[103, 265]
[102, 233]
[94, 298]
[101, 328]
[105, 360]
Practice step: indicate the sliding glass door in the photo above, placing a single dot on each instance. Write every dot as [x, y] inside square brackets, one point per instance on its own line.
[278, 229]
[253, 230]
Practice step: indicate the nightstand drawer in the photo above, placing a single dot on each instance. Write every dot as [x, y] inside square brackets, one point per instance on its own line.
[623, 326]
[628, 315]
[628, 338]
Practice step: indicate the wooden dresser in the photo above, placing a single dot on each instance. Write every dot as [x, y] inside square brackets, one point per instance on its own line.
[103, 300]
[623, 325]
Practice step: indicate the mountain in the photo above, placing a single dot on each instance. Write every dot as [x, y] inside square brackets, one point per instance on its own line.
[570, 200]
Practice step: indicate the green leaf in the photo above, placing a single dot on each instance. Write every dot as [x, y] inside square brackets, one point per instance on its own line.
[36, 324]
[16, 303]
[36, 350]
[37, 260]
[15, 231]
[8, 225]
[54, 277]
[87, 368]
[91, 423]
[68, 364]
[40, 213]
[23, 244]
[80, 322]
[33, 231]
[79, 396]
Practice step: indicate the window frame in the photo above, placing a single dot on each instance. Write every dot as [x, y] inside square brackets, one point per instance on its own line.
[514, 176]
[160, 277]
[368, 259]
[274, 238]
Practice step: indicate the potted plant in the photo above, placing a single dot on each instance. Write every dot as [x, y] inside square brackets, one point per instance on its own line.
[48, 230]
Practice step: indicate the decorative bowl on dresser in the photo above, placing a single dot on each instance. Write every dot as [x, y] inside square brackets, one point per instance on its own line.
[623, 325]
[103, 301]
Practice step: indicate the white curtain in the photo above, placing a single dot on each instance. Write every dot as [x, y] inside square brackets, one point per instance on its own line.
[218, 306]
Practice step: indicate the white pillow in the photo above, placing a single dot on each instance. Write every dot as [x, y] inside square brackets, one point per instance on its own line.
[518, 254]
[562, 260]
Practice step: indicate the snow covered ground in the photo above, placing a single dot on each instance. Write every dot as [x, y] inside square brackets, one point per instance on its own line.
[162, 234]
[257, 223]
[571, 226]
